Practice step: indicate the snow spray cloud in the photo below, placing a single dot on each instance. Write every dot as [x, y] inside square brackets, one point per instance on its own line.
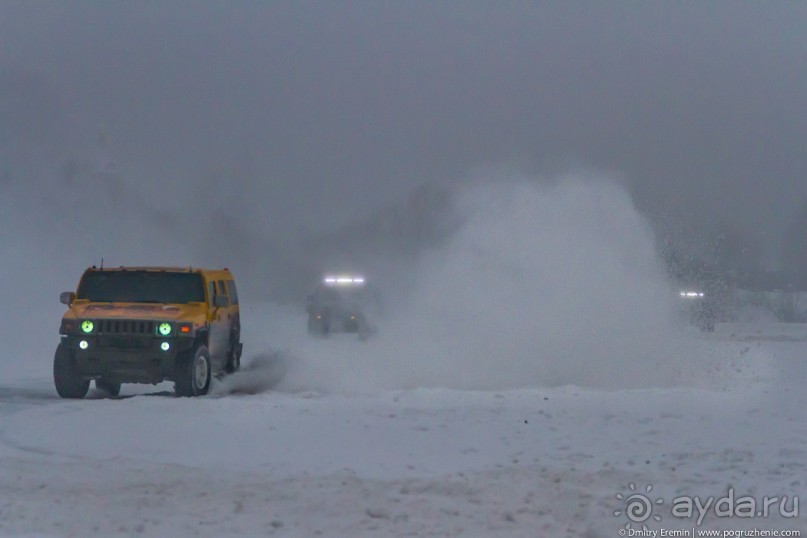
[542, 285]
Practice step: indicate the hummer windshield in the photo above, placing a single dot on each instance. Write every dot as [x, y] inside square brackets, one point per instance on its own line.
[141, 287]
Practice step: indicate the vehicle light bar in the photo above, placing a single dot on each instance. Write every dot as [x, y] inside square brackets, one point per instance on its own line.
[343, 280]
[691, 294]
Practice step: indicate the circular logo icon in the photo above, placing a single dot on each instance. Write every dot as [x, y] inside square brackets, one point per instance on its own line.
[637, 507]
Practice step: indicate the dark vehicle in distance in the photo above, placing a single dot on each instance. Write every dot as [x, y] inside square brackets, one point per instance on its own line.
[699, 310]
[341, 304]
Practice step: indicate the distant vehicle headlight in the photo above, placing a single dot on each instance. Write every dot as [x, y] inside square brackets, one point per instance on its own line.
[164, 329]
[87, 326]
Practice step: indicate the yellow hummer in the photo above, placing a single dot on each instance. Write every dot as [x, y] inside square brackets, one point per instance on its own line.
[148, 325]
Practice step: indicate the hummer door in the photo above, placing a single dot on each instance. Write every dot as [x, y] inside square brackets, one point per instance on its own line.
[219, 335]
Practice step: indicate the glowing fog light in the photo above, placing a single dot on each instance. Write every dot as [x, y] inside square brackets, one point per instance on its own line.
[83, 344]
[87, 326]
[165, 346]
[164, 329]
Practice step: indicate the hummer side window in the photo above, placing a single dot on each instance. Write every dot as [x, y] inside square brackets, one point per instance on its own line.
[221, 289]
[233, 292]
[211, 291]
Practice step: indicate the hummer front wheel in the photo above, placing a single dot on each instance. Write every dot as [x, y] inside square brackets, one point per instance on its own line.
[192, 376]
[66, 375]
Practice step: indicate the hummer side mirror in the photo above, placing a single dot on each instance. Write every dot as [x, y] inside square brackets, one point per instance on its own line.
[220, 300]
[67, 297]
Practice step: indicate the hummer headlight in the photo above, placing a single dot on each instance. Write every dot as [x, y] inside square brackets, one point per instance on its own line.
[87, 326]
[164, 329]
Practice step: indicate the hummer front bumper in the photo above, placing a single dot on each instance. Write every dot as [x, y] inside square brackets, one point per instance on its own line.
[126, 359]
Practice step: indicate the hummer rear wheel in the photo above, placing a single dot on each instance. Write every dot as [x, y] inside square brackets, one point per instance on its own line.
[234, 360]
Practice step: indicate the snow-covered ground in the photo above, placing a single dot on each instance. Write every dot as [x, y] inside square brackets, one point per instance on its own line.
[529, 378]
[269, 454]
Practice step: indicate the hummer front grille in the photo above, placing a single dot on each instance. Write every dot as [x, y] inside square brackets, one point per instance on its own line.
[125, 326]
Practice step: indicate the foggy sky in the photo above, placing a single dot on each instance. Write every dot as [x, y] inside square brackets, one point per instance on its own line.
[305, 115]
